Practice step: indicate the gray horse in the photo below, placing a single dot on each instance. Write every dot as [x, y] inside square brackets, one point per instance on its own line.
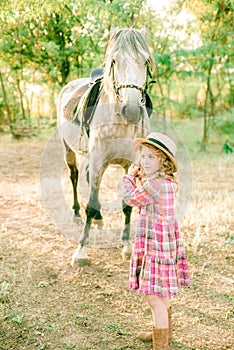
[119, 115]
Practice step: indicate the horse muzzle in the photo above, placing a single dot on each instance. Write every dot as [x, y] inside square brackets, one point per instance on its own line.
[132, 113]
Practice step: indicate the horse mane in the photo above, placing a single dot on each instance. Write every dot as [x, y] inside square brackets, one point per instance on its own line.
[126, 41]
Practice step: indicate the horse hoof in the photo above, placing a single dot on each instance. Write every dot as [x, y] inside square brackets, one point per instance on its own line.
[80, 262]
[125, 256]
[126, 252]
[76, 219]
[98, 223]
[80, 257]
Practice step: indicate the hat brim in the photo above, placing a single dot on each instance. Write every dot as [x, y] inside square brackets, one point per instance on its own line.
[145, 142]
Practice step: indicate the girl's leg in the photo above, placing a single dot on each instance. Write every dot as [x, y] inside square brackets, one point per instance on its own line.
[147, 336]
[166, 302]
[160, 318]
[159, 306]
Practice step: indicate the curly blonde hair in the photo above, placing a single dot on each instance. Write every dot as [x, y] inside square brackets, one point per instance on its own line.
[167, 167]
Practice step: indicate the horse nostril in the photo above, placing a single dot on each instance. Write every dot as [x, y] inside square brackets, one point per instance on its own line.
[131, 113]
[141, 111]
[123, 111]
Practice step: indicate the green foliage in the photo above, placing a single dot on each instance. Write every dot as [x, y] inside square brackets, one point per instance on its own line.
[229, 239]
[46, 44]
[227, 127]
[224, 124]
[113, 327]
[15, 319]
[227, 147]
[52, 327]
[4, 292]
[69, 346]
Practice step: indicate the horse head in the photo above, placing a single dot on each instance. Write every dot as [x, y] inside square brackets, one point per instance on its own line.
[128, 67]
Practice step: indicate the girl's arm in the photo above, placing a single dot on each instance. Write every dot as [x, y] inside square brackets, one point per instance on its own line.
[140, 196]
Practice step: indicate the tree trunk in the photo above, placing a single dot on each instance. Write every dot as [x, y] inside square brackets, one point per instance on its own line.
[230, 80]
[162, 94]
[21, 98]
[8, 111]
[209, 94]
[219, 94]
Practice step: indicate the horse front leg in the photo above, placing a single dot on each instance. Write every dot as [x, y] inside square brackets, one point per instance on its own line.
[92, 212]
[127, 246]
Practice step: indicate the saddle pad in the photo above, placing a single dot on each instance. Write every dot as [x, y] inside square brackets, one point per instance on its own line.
[68, 111]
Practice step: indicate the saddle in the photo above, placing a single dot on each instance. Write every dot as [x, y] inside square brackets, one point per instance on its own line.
[85, 100]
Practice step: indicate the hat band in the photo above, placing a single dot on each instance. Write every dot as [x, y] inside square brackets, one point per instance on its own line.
[160, 144]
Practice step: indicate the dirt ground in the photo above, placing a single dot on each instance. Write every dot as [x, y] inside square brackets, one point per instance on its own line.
[47, 304]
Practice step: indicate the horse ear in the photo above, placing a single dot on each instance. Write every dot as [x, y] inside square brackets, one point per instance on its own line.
[144, 32]
[112, 31]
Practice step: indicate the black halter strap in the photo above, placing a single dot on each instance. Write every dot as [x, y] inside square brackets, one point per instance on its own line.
[130, 86]
[143, 90]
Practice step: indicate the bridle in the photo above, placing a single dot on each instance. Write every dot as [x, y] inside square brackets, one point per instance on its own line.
[117, 87]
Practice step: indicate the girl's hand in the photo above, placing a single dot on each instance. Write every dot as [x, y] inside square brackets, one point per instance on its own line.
[135, 170]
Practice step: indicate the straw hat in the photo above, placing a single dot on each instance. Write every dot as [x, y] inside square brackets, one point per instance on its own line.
[162, 142]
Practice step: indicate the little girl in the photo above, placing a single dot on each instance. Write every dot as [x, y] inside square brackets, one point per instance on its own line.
[158, 263]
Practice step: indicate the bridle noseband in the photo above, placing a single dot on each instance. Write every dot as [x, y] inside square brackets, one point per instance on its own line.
[143, 90]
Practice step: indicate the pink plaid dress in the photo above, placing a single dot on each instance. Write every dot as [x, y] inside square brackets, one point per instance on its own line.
[158, 264]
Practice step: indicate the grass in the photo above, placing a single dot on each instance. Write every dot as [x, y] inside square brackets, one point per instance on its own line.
[47, 304]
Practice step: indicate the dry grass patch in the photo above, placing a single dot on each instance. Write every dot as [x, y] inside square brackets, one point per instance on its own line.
[46, 304]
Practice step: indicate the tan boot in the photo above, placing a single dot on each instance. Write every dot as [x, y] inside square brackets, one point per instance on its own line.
[145, 336]
[148, 336]
[169, 323]
[160, 339]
